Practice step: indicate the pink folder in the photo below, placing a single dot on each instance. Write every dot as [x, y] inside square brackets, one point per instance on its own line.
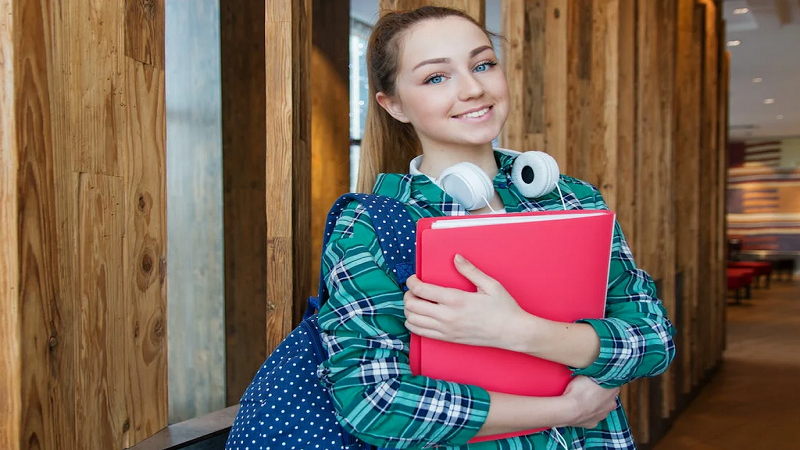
[555, 268]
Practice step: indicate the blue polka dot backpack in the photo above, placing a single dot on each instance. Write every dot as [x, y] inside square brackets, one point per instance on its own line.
[285, 406]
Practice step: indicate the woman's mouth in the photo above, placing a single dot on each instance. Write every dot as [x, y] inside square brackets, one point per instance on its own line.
[474, 114]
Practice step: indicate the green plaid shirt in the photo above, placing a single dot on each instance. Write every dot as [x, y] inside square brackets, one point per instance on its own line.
[368, 373]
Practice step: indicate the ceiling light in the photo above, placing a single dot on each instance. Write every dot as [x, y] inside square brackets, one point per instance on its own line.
[734, 43]
[741, 11]
[769, 101]
[780, 117]
[757, 80]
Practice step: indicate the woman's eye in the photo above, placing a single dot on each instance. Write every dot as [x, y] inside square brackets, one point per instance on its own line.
[484, 66]
[435, 79]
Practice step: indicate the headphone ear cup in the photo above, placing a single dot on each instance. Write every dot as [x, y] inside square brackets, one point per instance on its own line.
[467, 184]
[535, 174]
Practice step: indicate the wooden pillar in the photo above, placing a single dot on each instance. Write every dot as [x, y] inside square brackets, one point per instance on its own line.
[244, 144]
[85, 266]
[288, 164]
[330, 116]
[687, 177]
[10, 314]
[475, 8]
[707, 302]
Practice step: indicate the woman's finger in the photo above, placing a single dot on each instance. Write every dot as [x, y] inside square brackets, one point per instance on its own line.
[476, 276]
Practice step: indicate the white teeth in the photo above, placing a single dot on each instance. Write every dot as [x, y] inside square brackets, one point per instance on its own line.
[475, 114]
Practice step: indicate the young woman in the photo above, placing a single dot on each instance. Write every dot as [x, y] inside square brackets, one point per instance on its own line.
[437, 90]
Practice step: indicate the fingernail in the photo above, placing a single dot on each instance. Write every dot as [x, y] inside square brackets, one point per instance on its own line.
[460, 259]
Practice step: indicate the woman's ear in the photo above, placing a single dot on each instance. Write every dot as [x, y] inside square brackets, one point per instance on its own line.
[392, 106]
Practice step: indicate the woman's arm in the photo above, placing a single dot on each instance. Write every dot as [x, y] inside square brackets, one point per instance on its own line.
[367, 371]
[634, 340]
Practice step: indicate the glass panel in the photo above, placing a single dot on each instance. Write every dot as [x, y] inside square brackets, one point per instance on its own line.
[195, 275]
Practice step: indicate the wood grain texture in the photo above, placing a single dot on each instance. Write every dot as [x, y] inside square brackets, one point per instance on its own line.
[699, 302]
[709, 171]
[46, 226]
[144, 26]
[101, 350]
[145, 249]
[666, 237]
[72, 110]
[11, 409]
[621, 195]
[648, 132]
[556, 61]
[89, 68]
[330, 117]
[475, 8]
[244, 171]
[288, 193]
[687, 175]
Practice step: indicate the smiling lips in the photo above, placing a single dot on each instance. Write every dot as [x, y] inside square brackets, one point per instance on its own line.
[474, 114]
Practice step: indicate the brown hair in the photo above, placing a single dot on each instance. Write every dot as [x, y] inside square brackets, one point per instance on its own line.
[388, 144]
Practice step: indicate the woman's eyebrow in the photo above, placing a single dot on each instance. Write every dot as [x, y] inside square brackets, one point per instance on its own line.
[472, 54]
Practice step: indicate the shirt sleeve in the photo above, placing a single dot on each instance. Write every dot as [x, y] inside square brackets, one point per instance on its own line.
[367, 371]
[636, 337]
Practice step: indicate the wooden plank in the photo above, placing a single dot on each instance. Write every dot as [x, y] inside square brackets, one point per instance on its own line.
[46, 226]
[621, 198]
[711, 94]
[244, 126]
[475, 8]
[555, 81]
[513, 28]
[101, 355]
[649, 181]
[144, 253]
[144, 31]
[288, 193]
[10, 332]
[666, 12]
[703, 293]
[92, 33]
[330, 117]
[687, 175]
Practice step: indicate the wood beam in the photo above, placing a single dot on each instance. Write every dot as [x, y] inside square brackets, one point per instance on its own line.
[288, 164]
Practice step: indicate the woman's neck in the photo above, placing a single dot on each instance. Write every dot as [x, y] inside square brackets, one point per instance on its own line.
[437, 159]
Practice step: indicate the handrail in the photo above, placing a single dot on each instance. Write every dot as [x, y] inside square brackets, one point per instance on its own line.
[183, 434]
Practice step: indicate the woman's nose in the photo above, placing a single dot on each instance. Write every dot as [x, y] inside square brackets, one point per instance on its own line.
[470, 87]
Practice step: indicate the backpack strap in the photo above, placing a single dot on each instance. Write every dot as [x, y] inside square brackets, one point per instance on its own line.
[396, 232]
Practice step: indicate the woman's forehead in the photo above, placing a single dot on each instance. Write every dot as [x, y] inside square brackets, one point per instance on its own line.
[451, 37]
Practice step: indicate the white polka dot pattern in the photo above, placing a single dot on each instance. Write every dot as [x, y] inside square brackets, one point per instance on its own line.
[285, 406]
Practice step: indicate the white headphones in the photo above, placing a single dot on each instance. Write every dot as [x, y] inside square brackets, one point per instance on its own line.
[533, 173]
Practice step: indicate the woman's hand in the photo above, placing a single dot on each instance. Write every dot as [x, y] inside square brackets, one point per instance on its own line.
[590, 401]
[486, 318]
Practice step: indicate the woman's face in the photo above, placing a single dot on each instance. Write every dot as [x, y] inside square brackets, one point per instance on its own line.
[449, 85]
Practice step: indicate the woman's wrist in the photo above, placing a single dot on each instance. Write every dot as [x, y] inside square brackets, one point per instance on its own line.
[572, 344]
[527, 334]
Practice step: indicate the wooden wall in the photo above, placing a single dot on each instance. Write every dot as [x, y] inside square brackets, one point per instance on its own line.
[330, 116]
[84, 268]
[628, 96]
[288, 162]
[244, 153]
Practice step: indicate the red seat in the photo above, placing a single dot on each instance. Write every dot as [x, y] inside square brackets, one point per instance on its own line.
[760, 268]
[738, 279]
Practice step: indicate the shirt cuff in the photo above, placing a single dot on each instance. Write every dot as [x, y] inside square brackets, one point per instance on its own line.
[480, 411]
[613, 346]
